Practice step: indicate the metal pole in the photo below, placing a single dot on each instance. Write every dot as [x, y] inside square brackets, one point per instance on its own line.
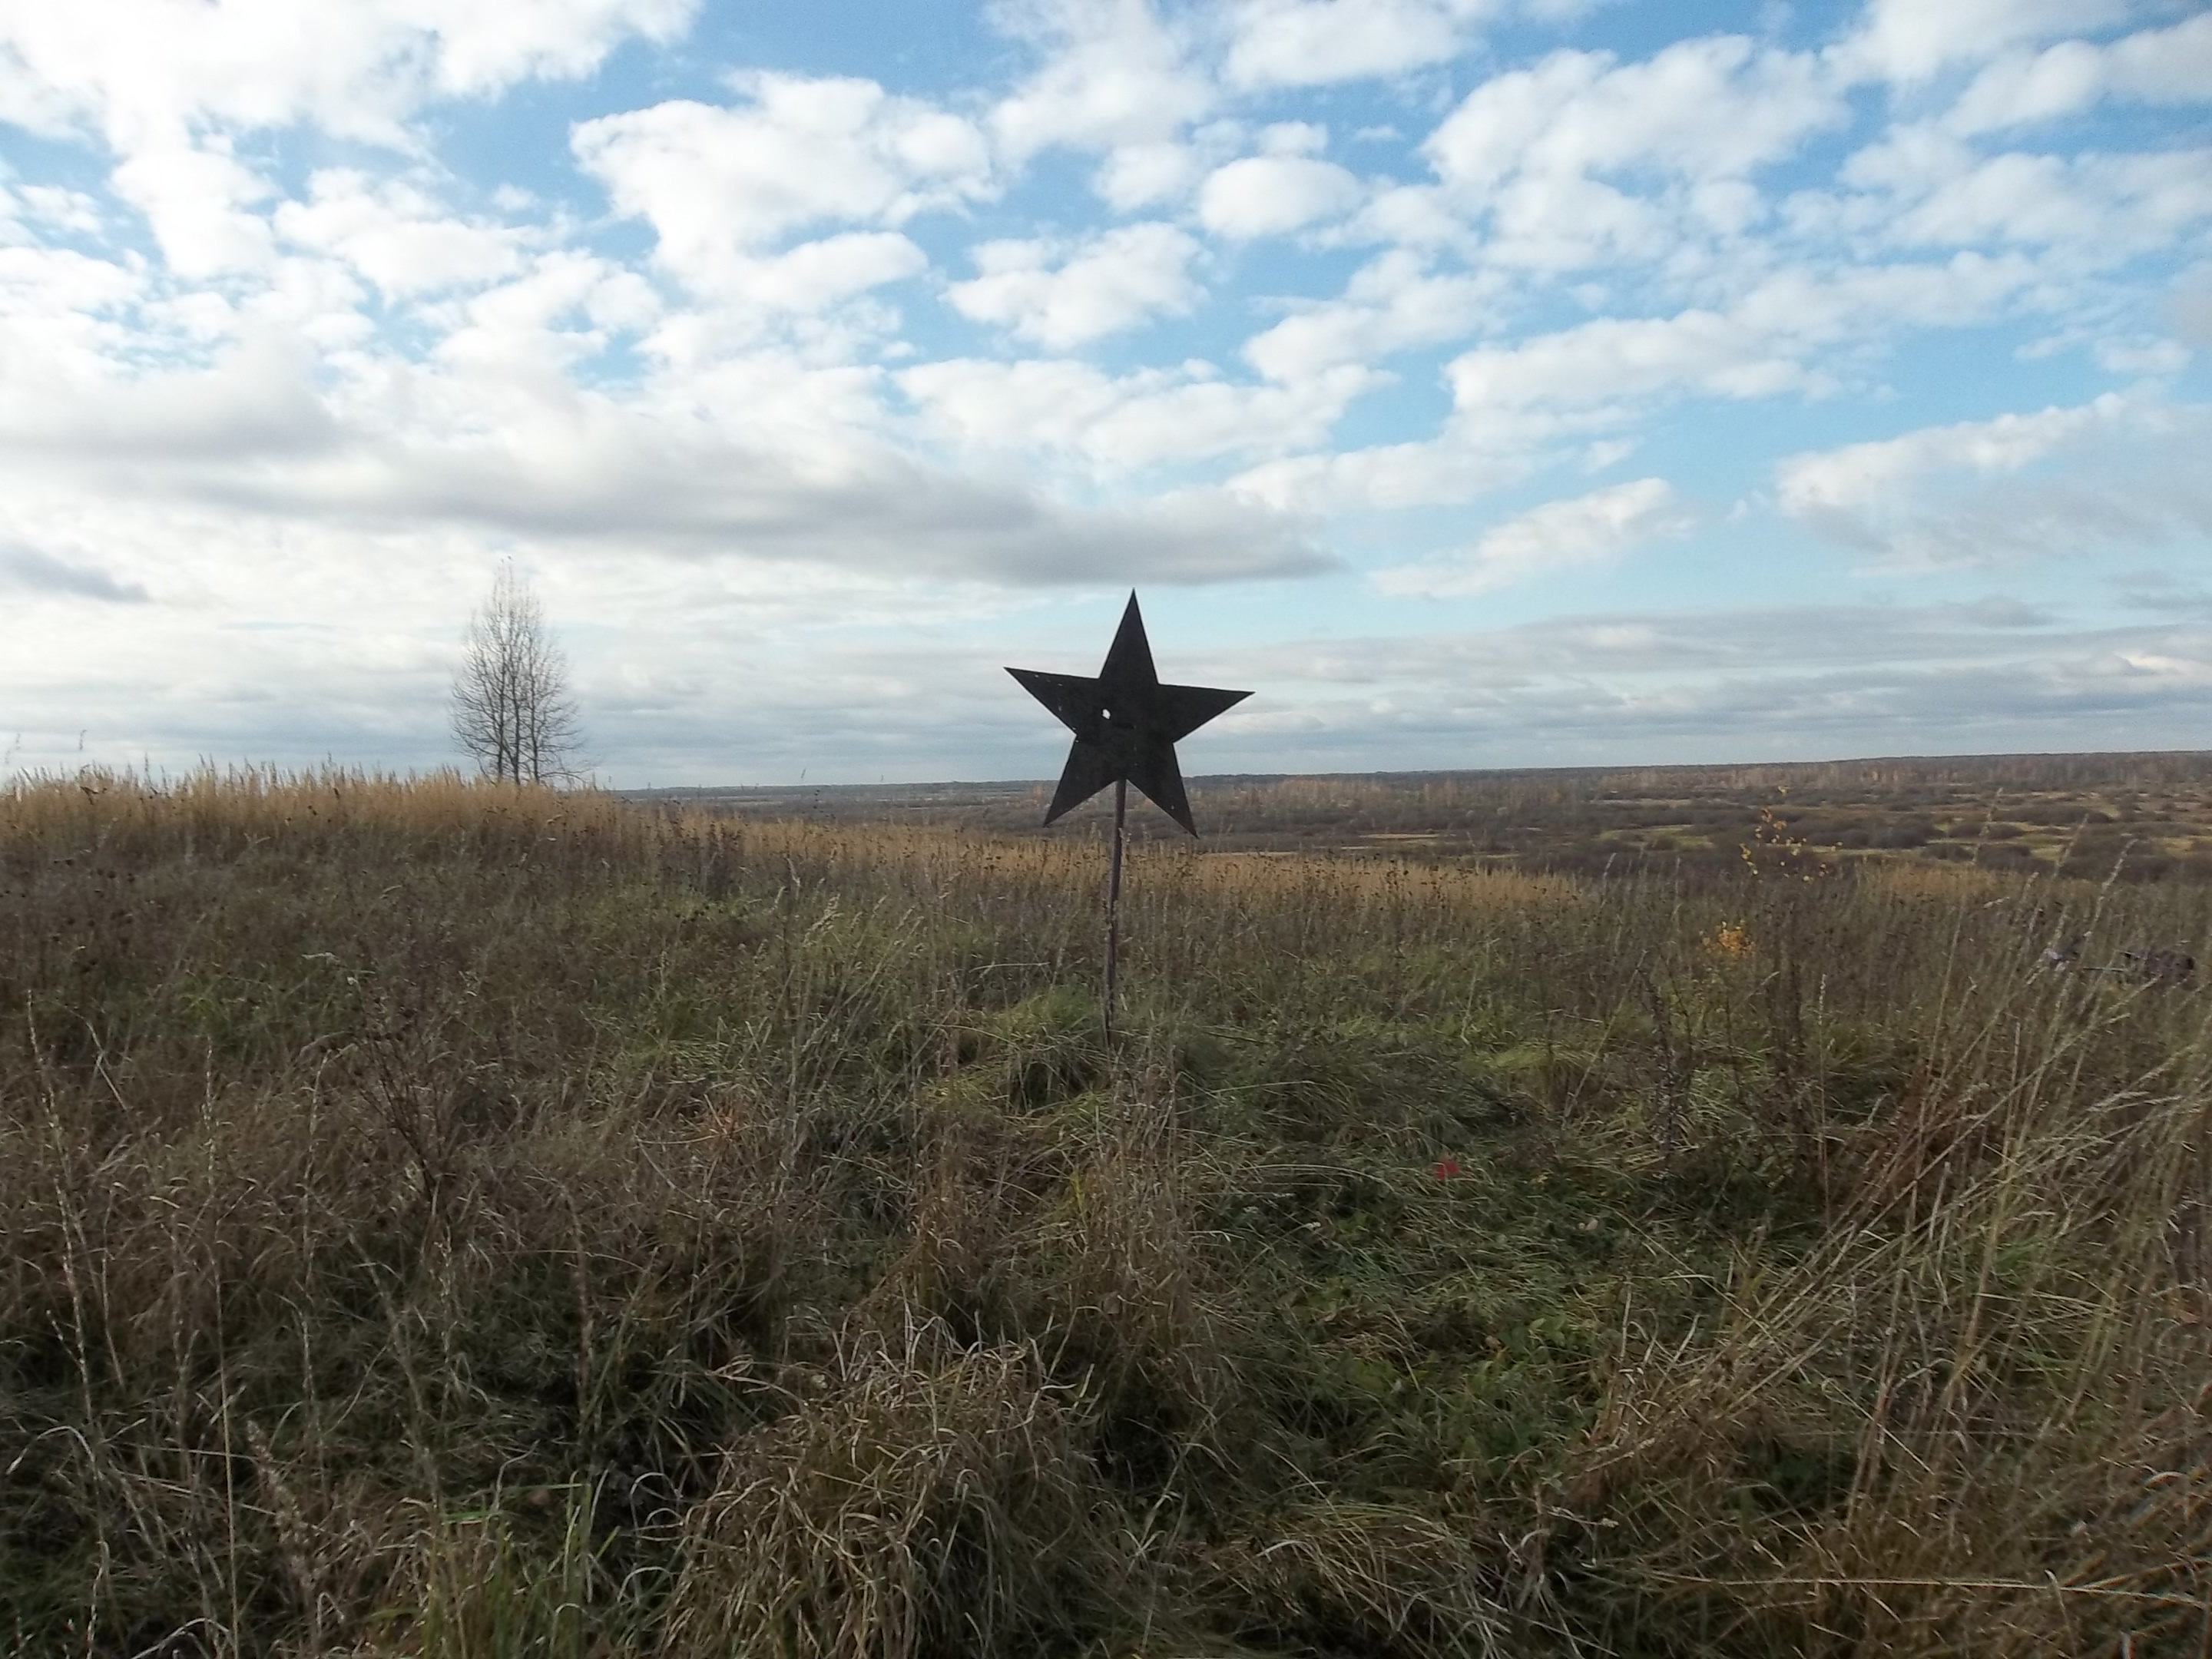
[1114, 895]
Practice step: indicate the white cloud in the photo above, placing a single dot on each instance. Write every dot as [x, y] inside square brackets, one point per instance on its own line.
[563, 307]
[1271, 195]
[1123, 423]
[816, 275]
[2159, 66]
[1533, 148]
[1167, 171]
[1291, 43]
[62, 291]
[394, 235]
[1715, 108]
[1114, 76]
[485, 47]
[252, 403]
[1909, 41]
[1455, 466]
[1392, 304]
[1064, 296]
[1767, 343]
[198, 201]
[1589, 530]
[1512, 400]
[718, 183]
[1614, 359]
[1866, 301]
[2024, 86]
[2117, 470]
[2108, 205]
[1860, 475]
[504, 459]
[71, 211]
[2146, 355]
[1921, 184]
[147, 72]
[1135, 176]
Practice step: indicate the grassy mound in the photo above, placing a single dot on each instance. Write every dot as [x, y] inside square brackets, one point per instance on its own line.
[445, 1219]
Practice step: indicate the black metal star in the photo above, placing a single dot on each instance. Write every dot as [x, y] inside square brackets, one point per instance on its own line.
[1126, 723]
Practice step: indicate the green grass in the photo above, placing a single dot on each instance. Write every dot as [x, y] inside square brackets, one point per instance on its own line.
[452, 1220]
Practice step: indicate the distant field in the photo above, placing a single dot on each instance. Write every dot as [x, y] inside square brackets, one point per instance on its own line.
[450, 1221]
[2146, 817]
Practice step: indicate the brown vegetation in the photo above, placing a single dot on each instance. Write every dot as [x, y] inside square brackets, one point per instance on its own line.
[2146, 818]
[464, 1220]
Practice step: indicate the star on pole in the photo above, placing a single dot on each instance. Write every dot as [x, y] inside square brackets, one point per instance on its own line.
[1126, 723]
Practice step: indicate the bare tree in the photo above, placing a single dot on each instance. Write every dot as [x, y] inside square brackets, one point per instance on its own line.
[512, 711]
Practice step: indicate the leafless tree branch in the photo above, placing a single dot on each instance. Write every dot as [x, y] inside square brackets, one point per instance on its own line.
[512, 711]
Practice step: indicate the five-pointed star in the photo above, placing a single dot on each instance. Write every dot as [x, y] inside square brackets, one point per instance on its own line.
[1126, 723]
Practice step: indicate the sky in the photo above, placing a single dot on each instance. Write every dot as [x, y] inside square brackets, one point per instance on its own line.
[1479, 382]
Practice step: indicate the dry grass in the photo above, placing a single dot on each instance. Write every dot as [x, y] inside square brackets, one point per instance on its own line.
[920, 1496]
[461, 1221]
[2148, 817]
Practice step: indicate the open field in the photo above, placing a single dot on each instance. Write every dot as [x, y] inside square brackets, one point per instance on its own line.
[458, 1220]
[2148, 817]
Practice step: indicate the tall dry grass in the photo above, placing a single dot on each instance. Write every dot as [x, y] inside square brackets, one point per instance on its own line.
[452, 1220]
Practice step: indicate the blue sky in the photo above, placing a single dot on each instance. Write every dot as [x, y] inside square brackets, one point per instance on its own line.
[1481, 382]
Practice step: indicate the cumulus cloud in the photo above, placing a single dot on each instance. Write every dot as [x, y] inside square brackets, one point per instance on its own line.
[199, 201]
[395, 234]
[1540, 150]
[63, 290]
[1861, 476]
[1768, 343]
[1923, 185]
[1565, 535]
[1064, 295]
[1114, 76]
[815, 276]
[2155, 66]
[1123, 423]
[1717, 106]
[493, 457]
[718, 184]
[1291, 43]
[1909, 41]
[1135, 176]
[2117, 471]
[1396, 302]
[875, 512]
[1271, 195]
[146, 72]
[73, 212]
[1616, 358]
[1387, 477]
[561, 308]
[254, 403]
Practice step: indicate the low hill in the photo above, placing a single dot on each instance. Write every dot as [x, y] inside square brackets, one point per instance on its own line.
[457, 1220]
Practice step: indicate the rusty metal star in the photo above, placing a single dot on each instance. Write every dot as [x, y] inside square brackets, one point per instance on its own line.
[1126, 723]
